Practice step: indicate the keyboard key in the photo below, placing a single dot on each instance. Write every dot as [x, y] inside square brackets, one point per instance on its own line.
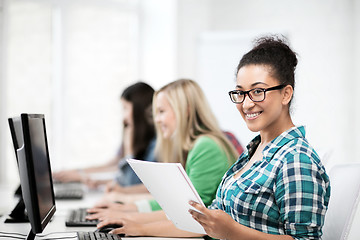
[97, 236]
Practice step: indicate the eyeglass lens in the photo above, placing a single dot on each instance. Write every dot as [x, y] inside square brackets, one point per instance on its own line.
[256, 95]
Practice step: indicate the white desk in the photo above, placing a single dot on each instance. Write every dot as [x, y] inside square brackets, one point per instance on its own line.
[57, 224]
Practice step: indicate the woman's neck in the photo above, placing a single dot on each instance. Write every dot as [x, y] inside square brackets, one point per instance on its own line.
[267, 135]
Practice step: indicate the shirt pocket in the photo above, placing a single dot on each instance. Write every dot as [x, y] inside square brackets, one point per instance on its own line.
[254, 188]
[255, 200]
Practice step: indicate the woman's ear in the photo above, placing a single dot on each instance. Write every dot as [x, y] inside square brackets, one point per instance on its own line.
[287, 94]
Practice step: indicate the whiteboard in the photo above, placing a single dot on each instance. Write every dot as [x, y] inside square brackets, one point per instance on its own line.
[218, 54]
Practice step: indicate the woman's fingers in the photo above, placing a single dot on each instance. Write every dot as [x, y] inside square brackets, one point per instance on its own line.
[198, 206]
[106, 222]
[199, 214]
[93, 216]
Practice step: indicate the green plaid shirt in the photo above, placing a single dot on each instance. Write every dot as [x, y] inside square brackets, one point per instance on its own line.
[287, 192]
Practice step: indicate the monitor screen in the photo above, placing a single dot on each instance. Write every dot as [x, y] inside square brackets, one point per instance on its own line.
[35, 173]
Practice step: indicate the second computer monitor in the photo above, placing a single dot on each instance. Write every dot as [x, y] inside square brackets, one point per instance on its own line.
[35, 173]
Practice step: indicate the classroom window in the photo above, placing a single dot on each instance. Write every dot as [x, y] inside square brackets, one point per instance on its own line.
[70, 60]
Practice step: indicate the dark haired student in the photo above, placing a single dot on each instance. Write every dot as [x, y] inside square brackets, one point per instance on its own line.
[278, 188]
[138, 141]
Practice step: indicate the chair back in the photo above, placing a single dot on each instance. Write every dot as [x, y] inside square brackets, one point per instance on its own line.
[235, 142]
[344, 198]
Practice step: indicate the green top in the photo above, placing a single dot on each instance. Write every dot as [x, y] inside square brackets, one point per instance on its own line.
[206, 164]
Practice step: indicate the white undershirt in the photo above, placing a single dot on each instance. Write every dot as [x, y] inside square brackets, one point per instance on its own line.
[231, 180]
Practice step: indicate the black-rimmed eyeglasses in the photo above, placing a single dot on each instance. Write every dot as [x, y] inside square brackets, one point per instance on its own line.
[256, 94]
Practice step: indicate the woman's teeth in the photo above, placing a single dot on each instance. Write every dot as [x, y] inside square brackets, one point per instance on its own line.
[252, 115]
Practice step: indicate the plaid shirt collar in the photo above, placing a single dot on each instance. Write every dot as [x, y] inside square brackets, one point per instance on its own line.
[270, 149]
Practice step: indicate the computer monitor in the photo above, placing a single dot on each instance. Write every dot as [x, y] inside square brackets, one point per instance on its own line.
[35, 173]
[62, 190]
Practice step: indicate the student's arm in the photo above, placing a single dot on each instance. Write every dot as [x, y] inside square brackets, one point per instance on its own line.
[302, 179]
[115, 212]
[220, 225]
[163, 228]
[114, 187]
[77, 175]
[109, 166]
[143, 224]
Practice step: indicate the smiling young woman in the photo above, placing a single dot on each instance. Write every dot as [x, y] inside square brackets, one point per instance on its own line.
[278, 188]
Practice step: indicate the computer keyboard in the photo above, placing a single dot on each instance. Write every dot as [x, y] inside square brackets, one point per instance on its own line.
[97, 236]
[72, 190]
[69, 194]
[77, 218]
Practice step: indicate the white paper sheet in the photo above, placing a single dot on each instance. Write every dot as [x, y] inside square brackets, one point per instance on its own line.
[172, 189]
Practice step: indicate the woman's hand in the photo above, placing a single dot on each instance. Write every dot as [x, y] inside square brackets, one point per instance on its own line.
[94, 184]
[110, 210]
[115, 206]
[69, 176]
[145, 224]
[128, 227]
[216, 223]
[112, 186]
[106, 214]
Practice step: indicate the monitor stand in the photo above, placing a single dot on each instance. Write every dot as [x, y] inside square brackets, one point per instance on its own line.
[31, 235]
[18, 214]
[18, 192]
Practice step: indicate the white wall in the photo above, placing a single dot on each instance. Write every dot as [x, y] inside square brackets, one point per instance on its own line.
[356, 59]
[217, 58]
[355, 231]
[2, 99]
[158, 41]
[323, 33]
[193, 20]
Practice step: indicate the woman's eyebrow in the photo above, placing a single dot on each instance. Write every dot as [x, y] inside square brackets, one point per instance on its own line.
[252, 85]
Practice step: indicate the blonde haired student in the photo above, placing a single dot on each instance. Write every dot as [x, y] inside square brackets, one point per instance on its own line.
[187, 132]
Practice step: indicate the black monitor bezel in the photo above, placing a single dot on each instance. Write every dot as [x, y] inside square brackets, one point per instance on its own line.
[27, 176]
